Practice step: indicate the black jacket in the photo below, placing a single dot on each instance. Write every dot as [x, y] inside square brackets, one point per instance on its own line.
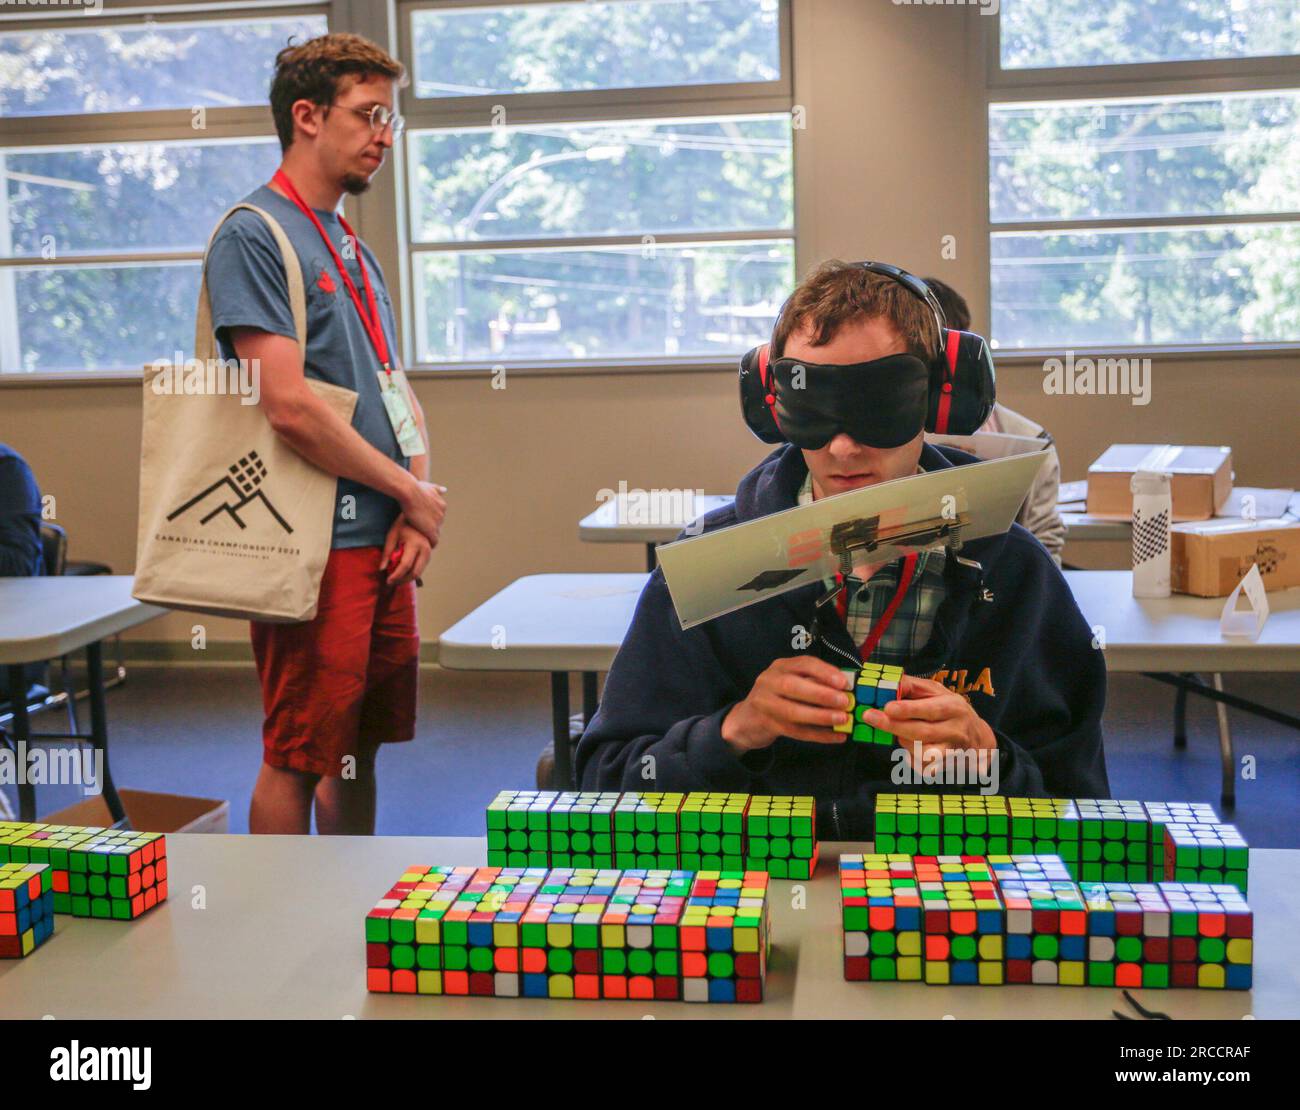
[1009, 637]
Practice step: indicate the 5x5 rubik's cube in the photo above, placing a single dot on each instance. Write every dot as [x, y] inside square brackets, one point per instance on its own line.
[1023, 919]
[1099, 840]
[534, 932]
[95, 872]
[699, 831]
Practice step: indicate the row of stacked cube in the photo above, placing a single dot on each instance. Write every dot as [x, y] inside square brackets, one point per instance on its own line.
[663, 831]
[536, 932]
[1024, 919]
[94, 872]
[1099, 840]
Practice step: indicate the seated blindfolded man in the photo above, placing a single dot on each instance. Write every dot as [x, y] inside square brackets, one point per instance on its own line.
[999, 667]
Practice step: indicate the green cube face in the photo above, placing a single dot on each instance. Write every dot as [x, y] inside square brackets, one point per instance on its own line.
[1101, 975]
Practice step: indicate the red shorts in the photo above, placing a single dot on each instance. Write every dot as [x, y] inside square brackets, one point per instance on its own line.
[344, 682]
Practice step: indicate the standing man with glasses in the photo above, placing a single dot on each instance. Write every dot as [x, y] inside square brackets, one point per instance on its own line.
[338, 686]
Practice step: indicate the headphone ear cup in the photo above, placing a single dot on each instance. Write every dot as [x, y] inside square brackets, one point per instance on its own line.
[963, 385]
[756, 399]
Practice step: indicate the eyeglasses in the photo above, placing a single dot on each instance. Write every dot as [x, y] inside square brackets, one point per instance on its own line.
[380, 117]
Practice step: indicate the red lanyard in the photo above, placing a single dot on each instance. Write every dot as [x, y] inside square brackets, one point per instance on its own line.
[878, 629]
[370, 321]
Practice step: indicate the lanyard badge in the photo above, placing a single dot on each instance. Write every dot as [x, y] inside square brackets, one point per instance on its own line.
[392, 383]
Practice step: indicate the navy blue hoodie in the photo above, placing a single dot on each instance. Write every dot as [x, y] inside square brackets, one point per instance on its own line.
[1009, 636]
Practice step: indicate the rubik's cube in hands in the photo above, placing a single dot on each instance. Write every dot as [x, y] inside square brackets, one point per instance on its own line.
[874, 684]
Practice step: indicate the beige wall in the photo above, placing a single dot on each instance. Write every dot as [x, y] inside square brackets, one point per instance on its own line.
[885, 167]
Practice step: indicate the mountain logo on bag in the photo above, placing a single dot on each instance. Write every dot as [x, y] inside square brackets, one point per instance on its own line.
[241, 480]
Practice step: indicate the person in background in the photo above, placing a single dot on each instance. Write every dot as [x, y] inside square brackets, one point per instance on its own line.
[1038, 514]
[21, 553]
[337, 687]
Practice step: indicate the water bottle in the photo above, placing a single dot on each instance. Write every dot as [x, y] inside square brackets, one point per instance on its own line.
[1152, 511]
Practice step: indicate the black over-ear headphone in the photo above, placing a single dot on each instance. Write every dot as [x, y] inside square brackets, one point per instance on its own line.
[962, 382]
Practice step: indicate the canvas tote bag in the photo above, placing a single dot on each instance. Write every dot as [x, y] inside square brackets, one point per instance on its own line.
[233, 522]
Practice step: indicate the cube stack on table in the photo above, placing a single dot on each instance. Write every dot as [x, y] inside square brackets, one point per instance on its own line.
[881, 916]
[646, 934]
[95, 872]
[1098, 840]
[699, 831]
[962, 920]
[1023, 919]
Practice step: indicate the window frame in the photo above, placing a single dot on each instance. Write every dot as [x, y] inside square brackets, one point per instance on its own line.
[1118, 82]
[170, 125]
[381, 216]
[575, 107]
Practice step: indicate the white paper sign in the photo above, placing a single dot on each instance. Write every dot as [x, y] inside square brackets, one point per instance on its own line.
[722, 571]
[1247, 622]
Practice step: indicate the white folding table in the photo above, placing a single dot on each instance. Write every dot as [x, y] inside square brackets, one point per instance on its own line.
[45, 618]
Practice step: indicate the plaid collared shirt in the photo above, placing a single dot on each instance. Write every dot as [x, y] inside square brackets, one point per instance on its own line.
[867, 601]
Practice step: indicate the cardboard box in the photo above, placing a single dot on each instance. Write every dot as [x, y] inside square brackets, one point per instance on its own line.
[1201, 482]
[151, 812]
[1209, 559]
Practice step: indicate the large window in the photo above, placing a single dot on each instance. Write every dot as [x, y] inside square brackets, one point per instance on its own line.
[122, 139]
[1168, 215]
[596, 181]
[581, 182]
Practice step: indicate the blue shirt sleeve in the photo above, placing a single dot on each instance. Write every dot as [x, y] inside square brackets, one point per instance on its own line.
[20, 519]
[246, 279]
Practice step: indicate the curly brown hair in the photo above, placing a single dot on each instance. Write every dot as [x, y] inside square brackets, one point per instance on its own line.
[837, 292]
[313, 70]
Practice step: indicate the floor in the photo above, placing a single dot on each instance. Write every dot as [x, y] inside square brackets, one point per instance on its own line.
[196, 730]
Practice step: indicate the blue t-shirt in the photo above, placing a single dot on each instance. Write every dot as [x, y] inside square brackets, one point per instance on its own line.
[248, 288]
